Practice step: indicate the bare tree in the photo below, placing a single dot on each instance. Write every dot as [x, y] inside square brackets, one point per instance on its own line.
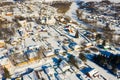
[73, 61]
[40, 52]
[82, 57]
[77, 34]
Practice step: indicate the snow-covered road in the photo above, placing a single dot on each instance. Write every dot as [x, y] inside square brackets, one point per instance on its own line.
[73, 15]
[72, 11]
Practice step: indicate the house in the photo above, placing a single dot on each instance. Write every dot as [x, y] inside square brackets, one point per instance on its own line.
[66, 41]
[118, 74]
[2, 43]
[85, 14]
[13, 41]
[43, 20]
[21, 31]
[49, 70]
[59, 51]
[32, 54]
[67, 49]
[79, 63]
[94, 50]
[4, 61]
[107, 44]
[49, 53]
[93, 73]
[38, 73]
[34, 14]
[67, 28]
[88, 44]
[64, 65]
[51, 20]
[18, 58]
[32, 24]
[23, 22]
[74, 46]
[105, 53]
[30, 76]
[9, 14]
[18, 78]
[99, 42]
[33, 47]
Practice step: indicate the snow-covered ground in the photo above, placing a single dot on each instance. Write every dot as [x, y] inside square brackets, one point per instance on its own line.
[102, 71]
[72, 11]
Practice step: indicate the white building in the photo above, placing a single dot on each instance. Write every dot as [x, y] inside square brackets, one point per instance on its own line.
[30, 76]
[93, 73]
[51, 20]
[75, 47]
[49, 53]
[23, 23]
[64, 65]
[49, 70]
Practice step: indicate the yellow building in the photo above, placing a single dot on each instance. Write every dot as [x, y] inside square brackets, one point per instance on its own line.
[2, 43]
[23, 23]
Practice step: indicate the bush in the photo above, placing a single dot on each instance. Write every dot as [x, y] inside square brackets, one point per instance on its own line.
[73, 61]
[82, 57]
[77, 34]
[6, 73]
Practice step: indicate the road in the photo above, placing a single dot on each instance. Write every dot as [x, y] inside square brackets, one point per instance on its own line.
[73, 15]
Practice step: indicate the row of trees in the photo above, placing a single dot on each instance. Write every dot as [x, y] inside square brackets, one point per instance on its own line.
[110, 63]
[74, 62]
[62, 7]
[6, 32]
[40, 52]
[25, 57]
[77, 34]
[6, 73]
[82, 57]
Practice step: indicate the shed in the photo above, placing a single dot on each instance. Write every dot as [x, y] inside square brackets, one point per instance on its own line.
[64, 65]
[49, 70]
[30, 76]
[74, 46]
[93, 73]
[49, 53]
[2, 43]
